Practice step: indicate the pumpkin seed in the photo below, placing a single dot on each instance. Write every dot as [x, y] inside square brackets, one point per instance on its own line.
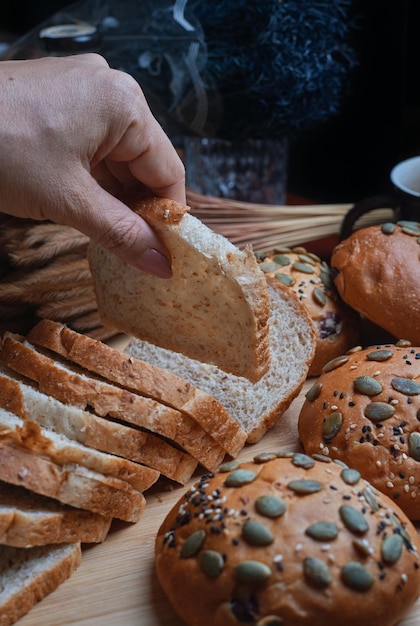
[379, 355]
[412, 230]
[303, 267]
[305, 258]
[322, 457]
[414, 445]
[334, 363]
[332, 425]
[317, 572]
[326, 279]
[353, 519]
[252, 572]
[257, 534]
[367, 385]
[240, 477]
[408, 224]
[268, 267]
[305, 487]
[314, 391]
[285, 454]
[403, 343]
[388, 228]
[270, 506]
[285, 279]
[228, 466]
[303, 460]
[407, 386]
[379, 411]
[350, 476]
[355, 576]
[270, 620]
[212, 563]
[281, 259]
[319, 296]
[391, 548]
[322, 531]
[263, 457]
[192, 544]
[370, 499]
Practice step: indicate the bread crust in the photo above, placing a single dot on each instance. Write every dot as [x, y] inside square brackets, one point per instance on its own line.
[383, 450]
[337, 326]
[28, 519]
[216, 528]
[142, 378]
[40, 571]
[83, 391]
[378, 275]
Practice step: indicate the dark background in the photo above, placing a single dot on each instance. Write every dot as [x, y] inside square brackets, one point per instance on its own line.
[351, 155]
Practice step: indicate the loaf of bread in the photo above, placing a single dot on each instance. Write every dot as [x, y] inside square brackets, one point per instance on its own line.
[287, 541]
[364, 409]
[337, 326]
[255, 406]
[215, 306]
[377, 272]
[27, 575]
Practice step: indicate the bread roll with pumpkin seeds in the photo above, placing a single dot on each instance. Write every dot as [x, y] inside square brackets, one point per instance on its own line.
[377, 272]
[337, 326]
[287, 540]
[365, 410]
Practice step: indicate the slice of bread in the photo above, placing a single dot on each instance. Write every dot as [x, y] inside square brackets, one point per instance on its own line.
[28, 519]
[215, 306]
[142, 378]
[70, 484]
[19, 396]
[258, 406]
[63, 451]
[27, 575]
[72, 386]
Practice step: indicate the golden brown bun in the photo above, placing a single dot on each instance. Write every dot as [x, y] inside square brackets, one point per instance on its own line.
[207, 546]
[385, 450]
[337, 326]
[378, 275]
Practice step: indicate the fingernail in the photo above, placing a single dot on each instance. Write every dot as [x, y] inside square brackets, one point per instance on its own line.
[154, 262]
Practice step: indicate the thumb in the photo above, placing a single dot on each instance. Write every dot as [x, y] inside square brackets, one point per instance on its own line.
[113, 225]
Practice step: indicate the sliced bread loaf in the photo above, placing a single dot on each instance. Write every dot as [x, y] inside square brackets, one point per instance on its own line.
[215, 306]
[28, 519]
[72, 386]
[23, 399]
[256, 406]
[63, 451]
[143, 378]
[70, 484]
[27, 575]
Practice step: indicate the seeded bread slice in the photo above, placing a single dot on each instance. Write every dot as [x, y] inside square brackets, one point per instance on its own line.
[72, 386]
[215, 306]
[142, 378]
[27, 575]
[258, 406]
[70, 484]
[22, 398]
[61, 450]
[28, 519]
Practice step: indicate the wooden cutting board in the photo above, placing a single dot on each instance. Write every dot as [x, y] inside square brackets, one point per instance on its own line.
[116, 585]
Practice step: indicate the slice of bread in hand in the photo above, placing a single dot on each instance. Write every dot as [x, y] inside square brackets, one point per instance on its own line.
[73, 387]
[215, 306]
[27, 575]
[143, 378]
[28, 519]
[19, 396]
[258, 406]
[69, 483]
[61, 450]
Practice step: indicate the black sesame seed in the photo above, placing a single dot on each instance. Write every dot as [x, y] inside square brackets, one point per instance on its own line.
[352, 403]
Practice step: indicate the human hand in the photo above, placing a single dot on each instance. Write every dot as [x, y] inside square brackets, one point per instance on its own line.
[73, 133]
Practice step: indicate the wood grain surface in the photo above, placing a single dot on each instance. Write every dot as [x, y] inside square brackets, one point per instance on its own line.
[116, 583]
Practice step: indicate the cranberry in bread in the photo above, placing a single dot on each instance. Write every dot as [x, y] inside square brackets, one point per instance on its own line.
[287, 540]
[365, 409]
[337, 326]
[377, 272]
